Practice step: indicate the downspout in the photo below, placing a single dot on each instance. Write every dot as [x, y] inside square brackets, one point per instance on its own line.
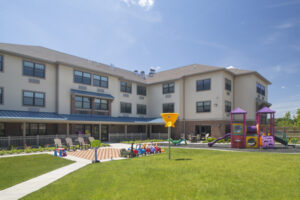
[184, 129]
[56, 89]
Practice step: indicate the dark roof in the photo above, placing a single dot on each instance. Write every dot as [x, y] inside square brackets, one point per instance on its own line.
[106, 96]
[53, 56]
[47, 116]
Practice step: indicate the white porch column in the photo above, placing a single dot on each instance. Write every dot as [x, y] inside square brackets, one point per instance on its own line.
[126, 131]
[24, 134]
[68, 129]
[100, 132]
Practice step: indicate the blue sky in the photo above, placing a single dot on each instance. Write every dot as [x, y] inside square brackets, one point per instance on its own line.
[261, 35]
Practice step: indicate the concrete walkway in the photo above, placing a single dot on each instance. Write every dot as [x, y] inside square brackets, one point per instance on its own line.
[22, 189]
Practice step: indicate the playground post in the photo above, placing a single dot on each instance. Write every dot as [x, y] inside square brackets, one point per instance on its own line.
[170, 119]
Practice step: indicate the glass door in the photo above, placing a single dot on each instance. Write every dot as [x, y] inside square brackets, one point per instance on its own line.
[104, 132]
[95, 132]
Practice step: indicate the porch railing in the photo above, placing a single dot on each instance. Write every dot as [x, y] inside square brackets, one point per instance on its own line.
[117, 137]
[42, 140]
[35, 141]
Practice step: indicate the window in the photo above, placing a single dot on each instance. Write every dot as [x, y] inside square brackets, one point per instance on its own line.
[82, 129]
[82, 77]
[33, 69]
[125, 87]
[203, 106]
[36, 129]
[1, 63]
[33, 98]
[100, 81]
[141, 109]
[2, 130]
[203, 130]
[168, 88]
[227, 106]
[203, 85]
[227, 84]
[82, 102]
[101, 104]
[141, 90]
[260, 89]
[168, 107]
[1, 95]
[125, 107]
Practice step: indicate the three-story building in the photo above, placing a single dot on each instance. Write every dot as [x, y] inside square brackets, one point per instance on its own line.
[46, 92]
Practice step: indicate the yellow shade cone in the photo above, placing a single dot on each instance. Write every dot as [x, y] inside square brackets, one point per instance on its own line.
[169, 118]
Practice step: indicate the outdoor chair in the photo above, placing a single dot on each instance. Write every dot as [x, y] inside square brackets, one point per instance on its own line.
[189, 137]
[198, 137]
[182, 136]
[82, 143]
[206, 136]
[57, 143]
[91, 139]
[69, 143]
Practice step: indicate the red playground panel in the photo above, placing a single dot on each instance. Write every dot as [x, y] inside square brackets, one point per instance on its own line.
[237, 141]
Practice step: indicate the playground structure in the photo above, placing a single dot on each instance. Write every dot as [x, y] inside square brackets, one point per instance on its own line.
[263, 135]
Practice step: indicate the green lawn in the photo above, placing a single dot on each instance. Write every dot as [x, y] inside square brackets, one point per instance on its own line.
[18, 169]
[191, 174]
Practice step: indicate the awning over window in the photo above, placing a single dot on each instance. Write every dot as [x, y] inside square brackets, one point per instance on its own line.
[10, 115]
[92, 94]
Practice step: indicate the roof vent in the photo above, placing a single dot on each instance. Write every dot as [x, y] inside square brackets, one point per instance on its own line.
[136, 72]
[143, 74]
[152, 72]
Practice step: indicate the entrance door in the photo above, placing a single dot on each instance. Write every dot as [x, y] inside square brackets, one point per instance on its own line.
[95, 132]
[104, 132]
[203, 130]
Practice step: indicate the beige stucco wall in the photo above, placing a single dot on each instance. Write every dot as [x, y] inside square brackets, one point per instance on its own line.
[245, 93]
[215, 95]
[14, 82]
[66, 83]
[156, 98]
[228, 95]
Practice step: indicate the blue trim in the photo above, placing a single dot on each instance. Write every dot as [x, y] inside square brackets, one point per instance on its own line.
[12, 114]
[107, 96]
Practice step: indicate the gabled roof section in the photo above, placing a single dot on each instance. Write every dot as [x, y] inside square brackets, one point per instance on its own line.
[56, 57]
[177, 73]
[52, 56]
[240, 72]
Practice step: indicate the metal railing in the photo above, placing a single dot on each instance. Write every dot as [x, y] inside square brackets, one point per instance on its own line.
[117, 137]
[289, 131]
[35, 141]
[42, 140]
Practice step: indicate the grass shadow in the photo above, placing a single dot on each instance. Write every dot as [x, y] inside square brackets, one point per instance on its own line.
[182, 159]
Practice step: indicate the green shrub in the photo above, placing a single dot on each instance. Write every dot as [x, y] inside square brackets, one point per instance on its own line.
[20, 151]
[2, 153]
[28, 150]
[34, 150]
[95, 143]
[41, 149]
[220, 141]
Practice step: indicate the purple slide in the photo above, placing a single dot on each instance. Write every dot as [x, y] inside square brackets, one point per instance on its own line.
[210, 144]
